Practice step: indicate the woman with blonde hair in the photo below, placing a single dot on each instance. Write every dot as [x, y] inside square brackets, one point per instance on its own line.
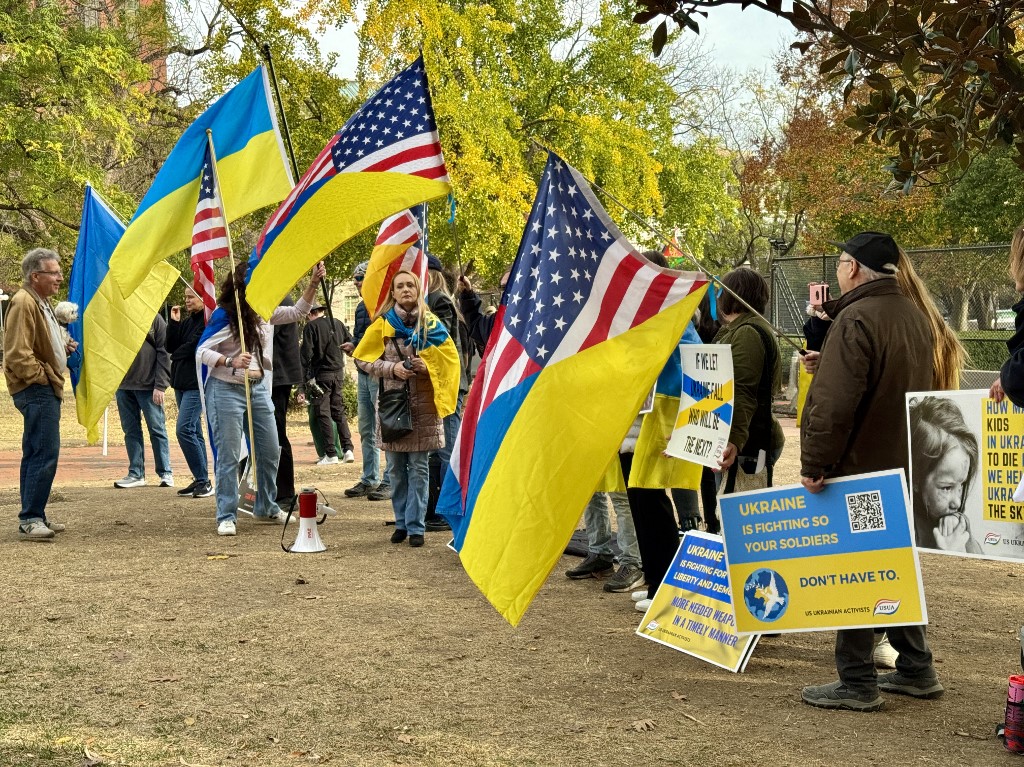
[948, 354]
[407, 347]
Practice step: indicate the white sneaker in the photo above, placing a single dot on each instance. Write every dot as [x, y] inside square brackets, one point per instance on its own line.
[636, 596]
[327, 460]
[642, 605]
[36, 530]
[167, 480]
[130, 481]
[884, 654]
[227, 527]
[349, 457]
[273, 519]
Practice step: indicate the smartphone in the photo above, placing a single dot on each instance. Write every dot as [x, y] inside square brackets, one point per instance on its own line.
[818, 293]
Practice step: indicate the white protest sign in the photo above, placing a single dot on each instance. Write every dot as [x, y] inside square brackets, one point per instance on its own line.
[702, 426]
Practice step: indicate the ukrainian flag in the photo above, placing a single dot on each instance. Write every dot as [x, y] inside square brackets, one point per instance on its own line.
[251, 166]
[110, 329]
[585, 328]
[386, 158]
[437, 351]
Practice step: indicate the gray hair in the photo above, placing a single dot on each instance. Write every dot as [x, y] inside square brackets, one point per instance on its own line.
[870, 274]
[34, 259]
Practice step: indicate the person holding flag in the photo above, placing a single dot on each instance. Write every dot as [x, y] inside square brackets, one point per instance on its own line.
[427, 362]
[183, 334]
[237, 348]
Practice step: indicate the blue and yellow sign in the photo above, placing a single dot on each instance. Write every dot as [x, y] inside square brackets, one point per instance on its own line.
[692, 610]
[843, 558]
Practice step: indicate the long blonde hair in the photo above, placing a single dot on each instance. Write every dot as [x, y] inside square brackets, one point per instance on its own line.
[948, 355]
[421, 306]
[1017, 255]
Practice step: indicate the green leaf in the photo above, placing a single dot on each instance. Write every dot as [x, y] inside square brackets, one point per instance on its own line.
[852, 60]
[660, 37]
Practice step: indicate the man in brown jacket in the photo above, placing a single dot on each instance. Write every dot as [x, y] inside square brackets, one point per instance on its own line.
[35, 359]
[878, 348]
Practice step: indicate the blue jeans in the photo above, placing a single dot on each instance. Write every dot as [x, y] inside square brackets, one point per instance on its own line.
[40, 447]
[599, 528]
[189, 430]
[451, 430]
[366, 396]
[133, 406]
[225, 407]
[410, 486]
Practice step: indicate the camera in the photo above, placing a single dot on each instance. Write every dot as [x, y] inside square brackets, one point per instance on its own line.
[818, 292]
[313, 389]
[407, 364]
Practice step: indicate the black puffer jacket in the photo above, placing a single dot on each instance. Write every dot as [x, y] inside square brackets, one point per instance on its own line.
[1011, 376]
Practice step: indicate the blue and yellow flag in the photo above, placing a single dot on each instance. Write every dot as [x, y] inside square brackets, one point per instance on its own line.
[250, 164]
[436, 348]
[110, 329]
[585, 327]
[386, 158]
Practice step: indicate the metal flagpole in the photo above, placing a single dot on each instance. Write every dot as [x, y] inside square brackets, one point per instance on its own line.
[238, 304]
[106, 412]
[668, 241]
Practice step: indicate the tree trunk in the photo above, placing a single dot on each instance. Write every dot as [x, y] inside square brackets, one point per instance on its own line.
[959, 303]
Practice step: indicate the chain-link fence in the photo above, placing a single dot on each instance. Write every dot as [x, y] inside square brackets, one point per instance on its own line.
[970, 284]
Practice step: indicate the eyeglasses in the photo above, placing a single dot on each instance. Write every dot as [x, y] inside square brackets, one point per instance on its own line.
[843, 261]
[57, 273]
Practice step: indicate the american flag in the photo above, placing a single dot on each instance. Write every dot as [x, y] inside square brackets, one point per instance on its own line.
[209, 236]
[575, 283]
[401, 229]
[394, 131]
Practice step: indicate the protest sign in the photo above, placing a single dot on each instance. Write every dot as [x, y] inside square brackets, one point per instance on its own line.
[965, 464]
[692, 611]
[702, 426]
[841, 558]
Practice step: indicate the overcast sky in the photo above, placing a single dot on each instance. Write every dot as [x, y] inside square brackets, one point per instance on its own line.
[741, 40]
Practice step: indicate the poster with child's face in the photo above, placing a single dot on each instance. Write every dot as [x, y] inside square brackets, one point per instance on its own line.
[965, 463]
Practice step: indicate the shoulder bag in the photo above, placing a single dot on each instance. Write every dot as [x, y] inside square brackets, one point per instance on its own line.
[394, 409]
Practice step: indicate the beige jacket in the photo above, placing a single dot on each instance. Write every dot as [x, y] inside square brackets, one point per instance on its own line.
[28, 351]
[427, 427]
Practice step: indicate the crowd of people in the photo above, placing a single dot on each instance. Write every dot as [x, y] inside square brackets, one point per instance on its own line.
[880, 339]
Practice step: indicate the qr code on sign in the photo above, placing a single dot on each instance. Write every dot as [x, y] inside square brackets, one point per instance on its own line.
[865, 510]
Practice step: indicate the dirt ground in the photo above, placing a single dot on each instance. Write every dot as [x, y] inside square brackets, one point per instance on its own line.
[141, 638]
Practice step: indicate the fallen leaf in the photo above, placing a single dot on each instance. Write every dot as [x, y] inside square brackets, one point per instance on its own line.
[678, 695]
[120, 523]
[300, 581]
[272, 739]
[643, 725]
[217, 556]
[245, 716]
[298, 754]
[403, 738]
[165, 679]
[315, 596]
[92, 759]
[189, 721]
[169, 617]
